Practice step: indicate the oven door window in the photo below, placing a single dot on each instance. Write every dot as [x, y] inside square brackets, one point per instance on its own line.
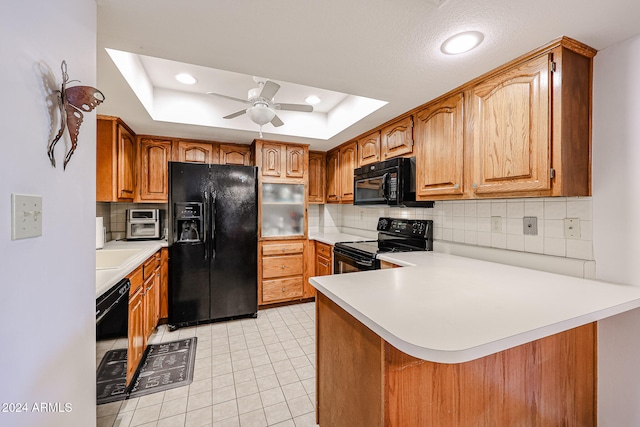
[345, 264]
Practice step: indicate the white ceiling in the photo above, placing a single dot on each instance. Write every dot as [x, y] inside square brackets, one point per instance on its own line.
[382, 49]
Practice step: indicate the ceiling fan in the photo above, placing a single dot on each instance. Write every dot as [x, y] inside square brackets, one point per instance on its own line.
[262, 110]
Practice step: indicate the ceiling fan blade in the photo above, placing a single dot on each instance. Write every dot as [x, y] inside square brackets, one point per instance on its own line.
[244, 101]
[269, 90]
[294, 107]
[276, 121]
[236, 114]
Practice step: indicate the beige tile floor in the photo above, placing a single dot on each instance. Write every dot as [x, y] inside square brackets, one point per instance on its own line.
[248, 372]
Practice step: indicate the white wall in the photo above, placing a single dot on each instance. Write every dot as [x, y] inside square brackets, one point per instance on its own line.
[616, 235]
[47, 284]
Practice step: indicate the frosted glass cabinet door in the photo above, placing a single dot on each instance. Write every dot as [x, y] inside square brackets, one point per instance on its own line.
[282, 210]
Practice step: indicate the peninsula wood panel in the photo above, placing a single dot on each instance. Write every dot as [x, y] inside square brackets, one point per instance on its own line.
[440, 149]
[362, 380]
[349, 369]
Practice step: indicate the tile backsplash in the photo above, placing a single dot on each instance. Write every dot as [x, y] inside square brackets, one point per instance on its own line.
[490, 223]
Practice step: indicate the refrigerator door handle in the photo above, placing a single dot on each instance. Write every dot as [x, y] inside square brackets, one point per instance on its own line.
[205, 196]
[213, 226]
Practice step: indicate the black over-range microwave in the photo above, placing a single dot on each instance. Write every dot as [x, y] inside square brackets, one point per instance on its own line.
[391, 182]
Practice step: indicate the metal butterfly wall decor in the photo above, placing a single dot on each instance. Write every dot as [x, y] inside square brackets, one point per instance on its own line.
[72, 101]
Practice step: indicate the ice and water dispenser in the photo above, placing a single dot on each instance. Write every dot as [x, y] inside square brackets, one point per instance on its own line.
[189, 222]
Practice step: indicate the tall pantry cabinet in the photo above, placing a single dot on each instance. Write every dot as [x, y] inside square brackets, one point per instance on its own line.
[282, 223]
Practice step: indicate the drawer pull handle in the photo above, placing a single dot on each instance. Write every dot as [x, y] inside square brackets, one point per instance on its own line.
[283, 289]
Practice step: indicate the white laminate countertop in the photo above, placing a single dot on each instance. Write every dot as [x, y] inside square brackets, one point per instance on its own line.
[333, 238]
[453, 309]
[105, 279]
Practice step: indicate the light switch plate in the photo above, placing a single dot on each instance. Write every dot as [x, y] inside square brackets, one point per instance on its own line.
[26, 216]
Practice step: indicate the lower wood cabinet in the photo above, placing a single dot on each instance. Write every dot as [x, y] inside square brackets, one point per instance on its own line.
[144, 309]
[281, 271]
[324, 259]
[386, 264]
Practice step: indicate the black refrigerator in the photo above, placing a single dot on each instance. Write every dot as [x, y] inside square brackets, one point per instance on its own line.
[213, 243]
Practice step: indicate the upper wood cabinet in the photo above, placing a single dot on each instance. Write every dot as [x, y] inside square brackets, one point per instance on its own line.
[154, 155]
[195, 152]
[281, 162]
[347, 166]
[511, 134]
[369, 149]
[341, 163]
[115, 161]
[440, 149]
[235, 155]
[333, 177]
[397, 139]
[317, 161]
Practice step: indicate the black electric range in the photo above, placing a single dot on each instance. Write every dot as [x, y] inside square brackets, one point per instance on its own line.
[394, 235]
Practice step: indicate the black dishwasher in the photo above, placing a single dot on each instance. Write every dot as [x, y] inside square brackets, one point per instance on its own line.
[112, 312]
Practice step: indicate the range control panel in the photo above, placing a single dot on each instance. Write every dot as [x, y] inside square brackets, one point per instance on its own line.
[406, 227]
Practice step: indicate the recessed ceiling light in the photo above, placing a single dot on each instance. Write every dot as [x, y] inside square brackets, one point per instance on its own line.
[186, 79]
[462, 42]
[312, 99]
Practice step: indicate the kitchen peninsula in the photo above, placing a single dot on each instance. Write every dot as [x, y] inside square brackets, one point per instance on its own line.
[456, 341]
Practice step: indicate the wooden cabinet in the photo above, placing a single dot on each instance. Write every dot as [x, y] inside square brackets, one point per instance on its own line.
[511, 134]
[397, 139]
[317, 166]
[144, 309]
[281, 271]
[341, 163]
[333, 177]
[235, 155]
[164, 283]
[440, 149]
[324, 259]
[137, 341]
[347, 165]
[369, 149]
[386, 264]
[281, 161]
[115, 161]
[154, 156]
[195, 152]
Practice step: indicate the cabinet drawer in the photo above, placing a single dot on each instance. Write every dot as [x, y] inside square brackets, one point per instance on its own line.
[283, 249]
[323, 249]
[281, 289]
[282, 266]
[136, 280]
[150, 265]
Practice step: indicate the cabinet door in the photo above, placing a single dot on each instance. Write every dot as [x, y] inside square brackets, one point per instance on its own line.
[197, 152]
[136, 333]
[397, 139]
[154, 161]
[511, 130]
[369, 149]
[333, 176]
[316, 177]
[126, 164]
[296, 161]
[271, 160]
[164, 283]
[235, 155]
[347, 165]
[440, 149]
[150, 294]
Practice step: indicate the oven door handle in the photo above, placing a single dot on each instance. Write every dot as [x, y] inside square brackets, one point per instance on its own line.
[385, 193]
[364, 263]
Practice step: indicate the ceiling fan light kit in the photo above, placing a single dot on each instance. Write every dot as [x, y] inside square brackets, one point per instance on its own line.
[262, 110]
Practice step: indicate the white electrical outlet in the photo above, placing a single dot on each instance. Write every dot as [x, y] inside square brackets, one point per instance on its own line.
[572, 228]
[26, 216]
[496, 224]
